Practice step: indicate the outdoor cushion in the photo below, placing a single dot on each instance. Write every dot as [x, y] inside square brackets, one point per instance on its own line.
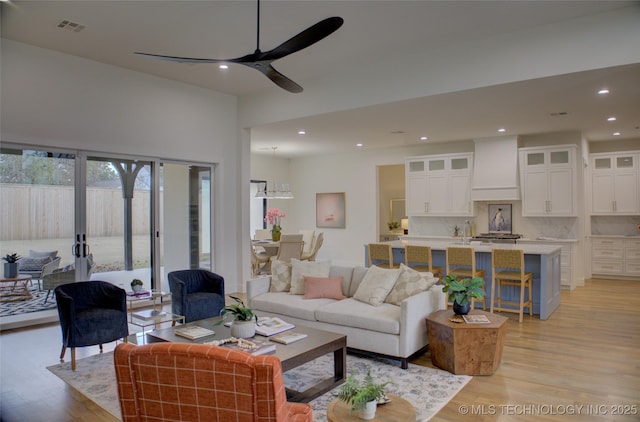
[33, 264]
[42, 254]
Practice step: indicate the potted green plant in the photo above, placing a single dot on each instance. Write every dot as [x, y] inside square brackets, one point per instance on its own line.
[11, 266]
[136, 285]
[462, 291]
[393, 225]
[243, 324]
[362, 395]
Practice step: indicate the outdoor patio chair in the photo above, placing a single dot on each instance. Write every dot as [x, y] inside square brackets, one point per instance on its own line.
[64, 276]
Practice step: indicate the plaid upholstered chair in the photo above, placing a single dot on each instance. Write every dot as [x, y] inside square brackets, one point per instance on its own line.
[198, 382]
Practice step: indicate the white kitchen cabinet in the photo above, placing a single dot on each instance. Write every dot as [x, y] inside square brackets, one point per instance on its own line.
[615, 256]
[615, 184]
[548, 180]
[439, 185]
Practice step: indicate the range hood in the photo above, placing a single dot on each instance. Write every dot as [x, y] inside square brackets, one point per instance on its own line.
[495, 169]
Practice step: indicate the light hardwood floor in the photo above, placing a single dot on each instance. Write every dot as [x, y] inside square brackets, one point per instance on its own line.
[587, 354]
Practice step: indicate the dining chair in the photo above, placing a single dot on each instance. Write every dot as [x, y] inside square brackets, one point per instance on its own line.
[259, 262]
[381, 255]
[263, 234]
[290, 247]
[308, 236]
[461, 262]
[419, 258]
[507, 268]
[317, 244]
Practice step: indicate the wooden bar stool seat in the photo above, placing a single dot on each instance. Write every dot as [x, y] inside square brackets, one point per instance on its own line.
[420, 259]
[507, 268]
[381, 255]
[461, 262]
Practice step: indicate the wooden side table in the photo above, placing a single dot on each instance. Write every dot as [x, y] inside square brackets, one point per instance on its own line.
[16, 288]
[463, 348]
[397, 410]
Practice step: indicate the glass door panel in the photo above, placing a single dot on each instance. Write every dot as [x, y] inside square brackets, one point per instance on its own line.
[118, 220]
[36, 204]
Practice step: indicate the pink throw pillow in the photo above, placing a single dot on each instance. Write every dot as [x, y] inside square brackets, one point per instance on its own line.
[323, 287]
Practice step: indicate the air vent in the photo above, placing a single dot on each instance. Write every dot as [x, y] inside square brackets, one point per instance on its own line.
[70, 26]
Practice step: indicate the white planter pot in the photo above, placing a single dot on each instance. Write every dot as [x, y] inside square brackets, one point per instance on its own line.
[369, 410]
[243, 329]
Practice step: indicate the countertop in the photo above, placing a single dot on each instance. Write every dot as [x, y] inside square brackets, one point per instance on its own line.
[617, 236]
[532, 248]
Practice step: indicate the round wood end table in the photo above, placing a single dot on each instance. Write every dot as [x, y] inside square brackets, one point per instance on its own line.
[397, 410]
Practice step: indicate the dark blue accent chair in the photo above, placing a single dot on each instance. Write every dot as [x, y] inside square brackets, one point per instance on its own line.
[196, 294]
[91, 312]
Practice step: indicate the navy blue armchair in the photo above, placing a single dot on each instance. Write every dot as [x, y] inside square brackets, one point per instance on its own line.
[91, 312]
[196, 294]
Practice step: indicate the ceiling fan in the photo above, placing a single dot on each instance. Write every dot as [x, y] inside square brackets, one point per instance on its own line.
[261, 61]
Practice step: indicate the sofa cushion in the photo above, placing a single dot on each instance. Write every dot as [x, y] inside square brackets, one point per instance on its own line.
[356, 279]
[345, 273]
[376, 285]
[409, 283]
[43, 254]
[353, 313]
[283, 303]
[301, 268]
[319, 287]
[33, 264]
[280, 276]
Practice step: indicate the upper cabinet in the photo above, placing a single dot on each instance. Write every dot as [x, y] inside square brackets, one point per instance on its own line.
[439, 185]
[548, 179]
[615, 180]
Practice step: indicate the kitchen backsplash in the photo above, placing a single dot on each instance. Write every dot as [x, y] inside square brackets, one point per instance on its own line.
[610, 225]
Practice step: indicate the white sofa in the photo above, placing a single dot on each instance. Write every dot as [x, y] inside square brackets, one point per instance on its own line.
[397, 331]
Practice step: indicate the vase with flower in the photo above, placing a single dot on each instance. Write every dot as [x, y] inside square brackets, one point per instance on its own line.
[274, 216]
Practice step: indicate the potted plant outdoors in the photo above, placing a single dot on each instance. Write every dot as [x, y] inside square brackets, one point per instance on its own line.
[244, 320]
[11, 266]
[462, 291]
[136, 285]
[362, 396]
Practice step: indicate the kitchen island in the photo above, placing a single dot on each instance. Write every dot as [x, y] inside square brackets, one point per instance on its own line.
[541, 260]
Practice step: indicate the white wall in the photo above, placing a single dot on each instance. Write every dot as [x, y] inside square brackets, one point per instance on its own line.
[56, 100]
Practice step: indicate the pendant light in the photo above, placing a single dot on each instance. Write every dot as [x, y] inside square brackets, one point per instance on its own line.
[277, 191]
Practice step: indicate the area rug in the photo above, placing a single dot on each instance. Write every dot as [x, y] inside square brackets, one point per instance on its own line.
[36, 304]
[426, 388]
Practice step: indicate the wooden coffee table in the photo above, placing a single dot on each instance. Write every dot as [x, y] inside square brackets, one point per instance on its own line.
[317, 343]
[397, 410]
[463, 348]
[15, 288]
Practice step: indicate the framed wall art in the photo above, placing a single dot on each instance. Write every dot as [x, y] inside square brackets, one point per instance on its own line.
[330, 210]
[500, 218]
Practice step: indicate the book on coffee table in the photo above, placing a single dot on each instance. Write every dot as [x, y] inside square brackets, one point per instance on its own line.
[268, 326]
[476, 319]
[288, 337]
[253, 346]
[193, 332]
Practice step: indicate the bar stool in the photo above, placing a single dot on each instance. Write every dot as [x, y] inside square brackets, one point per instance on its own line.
[461, 262]
[381, 255]
[511, 261]
[420, 259]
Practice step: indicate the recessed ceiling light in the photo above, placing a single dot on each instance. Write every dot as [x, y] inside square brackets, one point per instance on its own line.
[611, 119]
[616, 133]
[603, 91]
[423, 138]
[359, 145]
[502, 129]
[223, 66]
[302, 132]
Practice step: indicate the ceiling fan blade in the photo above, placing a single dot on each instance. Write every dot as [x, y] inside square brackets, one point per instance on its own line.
[183, 59]
[279, 79]
[304, 39]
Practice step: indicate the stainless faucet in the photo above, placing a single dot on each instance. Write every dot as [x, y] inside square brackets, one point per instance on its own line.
[465, 231]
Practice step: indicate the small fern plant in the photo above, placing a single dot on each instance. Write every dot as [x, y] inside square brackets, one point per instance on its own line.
[357, 393]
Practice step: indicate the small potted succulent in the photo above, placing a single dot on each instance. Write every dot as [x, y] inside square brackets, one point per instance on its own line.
[244, 320]
[11, 266]
[136, 285]
[362, 395]
[462, 291]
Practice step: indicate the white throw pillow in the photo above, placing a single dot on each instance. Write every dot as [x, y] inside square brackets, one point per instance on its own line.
[408, 284]
[301, 268]
[376, 285]
[280, 276]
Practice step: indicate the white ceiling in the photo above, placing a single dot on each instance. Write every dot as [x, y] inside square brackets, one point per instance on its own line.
[372, 29]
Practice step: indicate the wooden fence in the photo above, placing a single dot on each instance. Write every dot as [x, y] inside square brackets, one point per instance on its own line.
[47, 212]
